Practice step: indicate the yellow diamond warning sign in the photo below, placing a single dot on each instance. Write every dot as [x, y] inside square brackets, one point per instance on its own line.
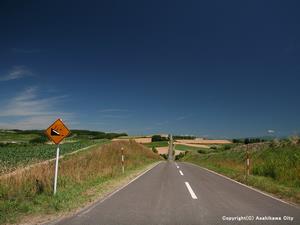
[57, 131]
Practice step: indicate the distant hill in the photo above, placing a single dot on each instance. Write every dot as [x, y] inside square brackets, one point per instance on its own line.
[16, 135]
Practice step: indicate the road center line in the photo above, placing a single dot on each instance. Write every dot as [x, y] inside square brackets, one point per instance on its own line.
[181, 173]
[190, 190]
[177, 167]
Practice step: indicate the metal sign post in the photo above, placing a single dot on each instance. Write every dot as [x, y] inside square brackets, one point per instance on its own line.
[123, 168]
[56, 170]
[56, 133]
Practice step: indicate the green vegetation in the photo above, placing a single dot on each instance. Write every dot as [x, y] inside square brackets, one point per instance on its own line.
[17, 155]
[189, 148]
[23, 147]
[165, 156]
[91, 135]
[83, 177]
[248, 140]
[17, 136]
[183, 137]
[180, 155]
[157, 144]
[38, 136]
[275, 167]
[158, 138]
[154, 150]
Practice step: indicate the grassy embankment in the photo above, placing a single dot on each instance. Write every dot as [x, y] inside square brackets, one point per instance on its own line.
[82, 177]
[275, 167]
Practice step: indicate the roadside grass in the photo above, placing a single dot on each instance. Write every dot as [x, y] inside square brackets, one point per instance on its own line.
[157, 144]
[13, 156]
[273, 169]
[82, 177]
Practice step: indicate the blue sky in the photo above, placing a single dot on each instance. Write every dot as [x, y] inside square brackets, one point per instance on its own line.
[207, 68]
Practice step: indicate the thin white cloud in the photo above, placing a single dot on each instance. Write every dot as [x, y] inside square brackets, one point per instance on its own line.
[181, 118]
[17, 72]
[28, 111]
[271, 131]
[27, 103]
[27, 123]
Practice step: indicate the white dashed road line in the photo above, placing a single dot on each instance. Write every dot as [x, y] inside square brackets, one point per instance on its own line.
[193, 195]
[181, 173]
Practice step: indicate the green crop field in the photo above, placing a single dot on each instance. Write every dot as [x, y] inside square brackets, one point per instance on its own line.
[157, 144]
[189, 148]
[17, 155]
[23, 147]
[12, 136]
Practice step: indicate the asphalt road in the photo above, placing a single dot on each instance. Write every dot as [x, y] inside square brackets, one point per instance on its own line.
[184, 194]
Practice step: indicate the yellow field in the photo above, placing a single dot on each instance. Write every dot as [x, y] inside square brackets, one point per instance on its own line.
[203, 142]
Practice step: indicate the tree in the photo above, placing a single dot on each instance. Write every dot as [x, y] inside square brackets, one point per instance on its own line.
[156, 138]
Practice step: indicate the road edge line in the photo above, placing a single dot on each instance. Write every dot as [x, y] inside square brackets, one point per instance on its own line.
[244, 185]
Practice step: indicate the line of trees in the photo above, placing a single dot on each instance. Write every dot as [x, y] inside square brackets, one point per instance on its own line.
[248, 140]
[156, 138]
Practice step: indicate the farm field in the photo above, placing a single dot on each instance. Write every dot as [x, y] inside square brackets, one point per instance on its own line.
[141, 140]
[13, 136]
[203, 141]
[182, 147]
[157, 144]
[13, 156]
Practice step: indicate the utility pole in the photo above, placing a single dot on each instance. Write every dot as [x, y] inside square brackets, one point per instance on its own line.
[170, 157]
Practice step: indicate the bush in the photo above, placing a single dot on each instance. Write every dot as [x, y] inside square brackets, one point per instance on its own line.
[201, 151]
[227, 147]
[39, 140]
[156, 138]
[181, 155]
[165, 156]
[154, 150]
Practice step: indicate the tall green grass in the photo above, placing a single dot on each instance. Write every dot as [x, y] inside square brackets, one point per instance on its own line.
[275, 169]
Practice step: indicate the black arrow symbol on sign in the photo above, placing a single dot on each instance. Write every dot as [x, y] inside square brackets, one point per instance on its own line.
[54, 132]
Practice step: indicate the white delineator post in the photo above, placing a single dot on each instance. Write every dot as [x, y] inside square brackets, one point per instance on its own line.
[122, 150]
[56, 170]
[247, 162]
